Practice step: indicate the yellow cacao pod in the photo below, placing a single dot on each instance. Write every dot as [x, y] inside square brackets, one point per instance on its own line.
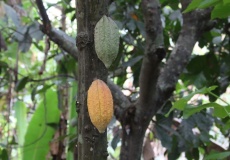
[100, 104]
[106, 39]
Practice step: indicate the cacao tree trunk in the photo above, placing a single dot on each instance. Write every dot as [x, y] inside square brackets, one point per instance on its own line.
[91, 144]
[132, 144]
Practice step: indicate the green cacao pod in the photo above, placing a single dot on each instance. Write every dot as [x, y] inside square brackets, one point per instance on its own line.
[100, 104]
[106, 39]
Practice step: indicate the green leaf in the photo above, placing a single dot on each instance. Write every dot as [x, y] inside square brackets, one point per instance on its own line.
[193, 5]
[70, 64]
[174, 152]
[162, 1]
[35, 32]
[39, 134]
[221, 111]
[117, 152]
[208, 3]
[116, 139]
[162, 131]
[116, 62]
[196, 64]
[11, 51]
[72, 116]
[25, 44]
[3, 64]
[188, 139]
[221, 11]
[3, 154]
[214, 156]
[203, 122]
[182, 103]
[12, 14]
[21, 125]
[190, 110]
[226, 126]
[226, 1]
[33, 93]
[151, 136]
[132, 61]
[21, 83]
[199, 79]
[44, 88]
[202, 71]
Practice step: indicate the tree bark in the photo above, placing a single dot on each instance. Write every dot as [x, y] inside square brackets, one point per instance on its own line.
[91, 144]
[157, 85]
[137, 118]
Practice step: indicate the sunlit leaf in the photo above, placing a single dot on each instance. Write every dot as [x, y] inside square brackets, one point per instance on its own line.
[193, 5]
[72, 116]
[11, 51]
[208, 3]
[39, 134]
[21, 116]
[226, 1]
[221, 111]
[221, 11]
[182, 103]
[214, 156]
[190, 110]
[21, 125]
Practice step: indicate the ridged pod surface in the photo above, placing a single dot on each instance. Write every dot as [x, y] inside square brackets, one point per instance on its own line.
[106, 39]
[100, 104]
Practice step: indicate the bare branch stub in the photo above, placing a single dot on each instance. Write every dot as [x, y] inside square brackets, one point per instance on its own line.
[82, 40]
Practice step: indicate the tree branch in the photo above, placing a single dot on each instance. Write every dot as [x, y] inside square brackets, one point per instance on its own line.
[57, 36]
[121, 102]
[45, 18]
[154, 53]
[53, 77]
[195, 23]
[64, 41]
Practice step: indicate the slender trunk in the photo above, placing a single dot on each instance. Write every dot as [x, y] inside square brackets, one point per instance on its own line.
[132, 144]
[91, 145]
[134, 124]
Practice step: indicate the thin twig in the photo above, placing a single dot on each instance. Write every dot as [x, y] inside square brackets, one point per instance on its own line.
[52, 77]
